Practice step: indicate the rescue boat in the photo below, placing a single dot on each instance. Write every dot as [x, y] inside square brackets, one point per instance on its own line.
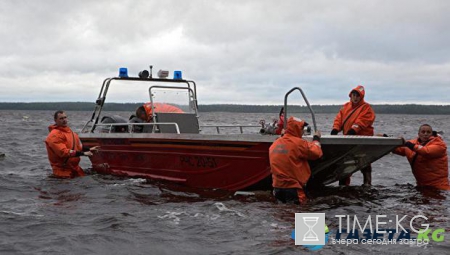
[174, 147]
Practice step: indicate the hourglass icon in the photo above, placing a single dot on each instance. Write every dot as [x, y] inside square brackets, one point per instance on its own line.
[310, 235]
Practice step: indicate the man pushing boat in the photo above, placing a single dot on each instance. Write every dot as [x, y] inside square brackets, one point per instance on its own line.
[64, 148]
[289, 165]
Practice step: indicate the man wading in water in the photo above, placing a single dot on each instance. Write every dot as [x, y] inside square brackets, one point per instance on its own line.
[289, 157]
[64, 148]
[427, 155]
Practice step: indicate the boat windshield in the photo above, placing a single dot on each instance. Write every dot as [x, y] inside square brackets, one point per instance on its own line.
[136, 92]
[176, 97]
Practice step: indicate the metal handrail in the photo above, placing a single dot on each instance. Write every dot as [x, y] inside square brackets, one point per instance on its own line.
[195, 92]
[139, 124]
[104, 90]
[241, 127]
[307, 103]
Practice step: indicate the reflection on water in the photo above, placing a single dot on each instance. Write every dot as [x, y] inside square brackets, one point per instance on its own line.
[101, 214]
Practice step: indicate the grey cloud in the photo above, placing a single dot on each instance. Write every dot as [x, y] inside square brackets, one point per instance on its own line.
[251, 51]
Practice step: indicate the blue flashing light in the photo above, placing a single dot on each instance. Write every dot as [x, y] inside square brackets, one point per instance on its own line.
[177, 75]
[123, 72]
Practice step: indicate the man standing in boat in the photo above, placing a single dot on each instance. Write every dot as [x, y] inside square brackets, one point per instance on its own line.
[64, 148]
[289, 165]
[280, 123]
[356, 117]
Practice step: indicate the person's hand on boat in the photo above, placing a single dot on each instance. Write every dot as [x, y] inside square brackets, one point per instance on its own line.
[334, 132]
[382, 135]
[410, 145]
[403, 141]
[317, 136]
[94, 149]
[91, 151]
[351, 132]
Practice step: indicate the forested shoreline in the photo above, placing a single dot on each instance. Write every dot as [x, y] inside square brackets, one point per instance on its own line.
[86, 106]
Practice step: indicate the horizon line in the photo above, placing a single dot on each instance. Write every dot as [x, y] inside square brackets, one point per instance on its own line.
[55, 102]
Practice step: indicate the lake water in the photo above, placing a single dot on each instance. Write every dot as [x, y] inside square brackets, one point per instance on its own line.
[100, 214]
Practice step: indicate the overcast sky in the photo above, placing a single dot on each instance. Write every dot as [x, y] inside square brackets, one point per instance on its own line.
[243, 52]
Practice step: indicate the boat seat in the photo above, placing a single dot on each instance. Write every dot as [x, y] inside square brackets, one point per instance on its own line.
[187, 122]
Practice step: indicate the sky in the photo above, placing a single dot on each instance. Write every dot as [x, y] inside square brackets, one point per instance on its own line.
[237, 51]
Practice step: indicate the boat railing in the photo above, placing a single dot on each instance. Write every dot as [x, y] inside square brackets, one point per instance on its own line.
[86, 126]
[241, 127]
[131, 125]
[307, 103]
[96, 114]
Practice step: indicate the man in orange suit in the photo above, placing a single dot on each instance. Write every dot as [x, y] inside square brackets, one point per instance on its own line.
[427, 155]
[356, 117]
[64, 148]
[289, 165]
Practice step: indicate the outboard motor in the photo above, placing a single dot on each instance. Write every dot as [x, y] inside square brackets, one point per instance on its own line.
[114, 129]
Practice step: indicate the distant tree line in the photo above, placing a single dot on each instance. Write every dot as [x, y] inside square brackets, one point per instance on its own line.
[85, 106]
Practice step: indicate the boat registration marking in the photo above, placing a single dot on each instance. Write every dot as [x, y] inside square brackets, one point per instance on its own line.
[198, 161]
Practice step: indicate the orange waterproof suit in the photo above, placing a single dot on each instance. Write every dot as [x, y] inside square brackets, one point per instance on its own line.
[62, 146]
[429, 162]
[359, 117]
[160, 107]
[289, 157]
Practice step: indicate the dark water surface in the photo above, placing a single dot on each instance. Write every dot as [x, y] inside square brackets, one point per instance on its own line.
[107, 215]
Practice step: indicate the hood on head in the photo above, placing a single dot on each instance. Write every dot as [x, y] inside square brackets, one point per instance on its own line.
[360, 90]
[295, 126]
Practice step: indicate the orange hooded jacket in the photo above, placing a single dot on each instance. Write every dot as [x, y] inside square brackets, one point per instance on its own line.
[358, 117]
[430, 166]
[160, 107]
[62, 144]
[289, 157]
